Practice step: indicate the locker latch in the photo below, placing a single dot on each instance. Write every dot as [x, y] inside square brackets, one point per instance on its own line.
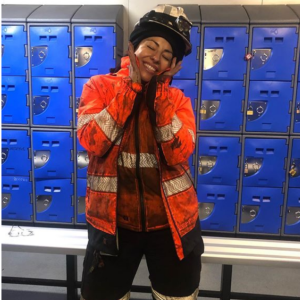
[40, 104]
[81, 205]
[249, 212]
[212, 57]
[82, 159]
[43, 202]
[205, 209]
[209, 108]
[83, 55]
[5, 200]
[38, 55]
[252, 165]
[41, 157]
[4, 154]
[206, 163]
[256, 109]
[260, 58]
[3, 100]
[293, 215]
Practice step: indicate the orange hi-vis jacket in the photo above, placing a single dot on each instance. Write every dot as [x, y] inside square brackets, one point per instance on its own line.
[107, 105]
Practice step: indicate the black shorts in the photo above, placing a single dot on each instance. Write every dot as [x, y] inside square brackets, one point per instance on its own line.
[112, 277]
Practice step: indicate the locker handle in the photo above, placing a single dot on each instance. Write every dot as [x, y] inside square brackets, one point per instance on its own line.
[259, 150]
[55, 144]
[45, 143]
[6, 186]
[52, 38]
[227, 92]
[43, 37]
[216, 92]
[88, 37]
[56, 190]
[45, 89]
[270, 151]
[268, 39]
[256, 199]
[12, 142]
[230, 39]
[223, 149]
[274, 93]
[47, 189]
[266, 199]
[279, 39]
[219, 39]
[8, 36]
[15, 187]
[264, 93]
[210, 196]
[97, 38]
[11, 87]
[221, 197]
[54, 89]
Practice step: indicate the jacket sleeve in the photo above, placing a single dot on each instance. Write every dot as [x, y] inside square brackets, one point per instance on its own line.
[103, 112]
[174, 126]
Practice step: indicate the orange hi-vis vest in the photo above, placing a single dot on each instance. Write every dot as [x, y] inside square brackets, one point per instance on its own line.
[106, 128]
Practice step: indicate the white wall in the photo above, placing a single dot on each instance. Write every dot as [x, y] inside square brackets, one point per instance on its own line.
[134, 9]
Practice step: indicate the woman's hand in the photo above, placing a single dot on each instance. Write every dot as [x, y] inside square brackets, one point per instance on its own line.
[134, 71]
[174, 68]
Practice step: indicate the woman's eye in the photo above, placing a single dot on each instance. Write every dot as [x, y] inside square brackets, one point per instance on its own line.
[167, 58]
[150, 47]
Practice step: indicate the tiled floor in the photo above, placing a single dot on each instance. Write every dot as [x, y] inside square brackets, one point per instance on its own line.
[251, 279]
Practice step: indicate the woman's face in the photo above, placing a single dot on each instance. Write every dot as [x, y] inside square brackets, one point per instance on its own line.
[155, 56]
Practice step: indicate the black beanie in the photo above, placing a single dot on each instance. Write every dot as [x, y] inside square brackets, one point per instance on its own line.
[148, 30]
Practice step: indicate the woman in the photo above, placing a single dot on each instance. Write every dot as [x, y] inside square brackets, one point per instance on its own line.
[139, 133]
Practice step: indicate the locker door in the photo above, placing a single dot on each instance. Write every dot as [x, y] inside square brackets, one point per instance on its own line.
[15, 153]
[94, 50]
[273, 49]
[80, 201]
[264, 161]
[52, 152]
[15, 106]
[50, 55]
[14, 56]
[52, 102]
[221, 106]
[294, 171]
[268, 106]
[216, 156]
[224, 52]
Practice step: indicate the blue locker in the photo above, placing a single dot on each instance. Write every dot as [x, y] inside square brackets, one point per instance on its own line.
[82, 161]
[49, 47]
[94, 50]
[190, 63]
[273, 50]
[53, 154]
[80, 201]
[296, 128]
[292, 213]
[79, 83]
[189, 88]
[16, 198]
[260, 210]
[264, 161]
[294, 173]
[14, 55]
[52, 101]
[268, 106]
[217, 207]
[220, 101]
[53, 200]
[217, 155]
[15, 152]
[224, 52]
[15, 106]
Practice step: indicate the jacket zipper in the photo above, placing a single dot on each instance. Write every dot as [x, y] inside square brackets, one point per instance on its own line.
[138, 175]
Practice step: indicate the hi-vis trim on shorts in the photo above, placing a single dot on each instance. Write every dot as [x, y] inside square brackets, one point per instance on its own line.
[177, 185]
[166, 133]
[158, 296]
[102, 184]
[128, 160]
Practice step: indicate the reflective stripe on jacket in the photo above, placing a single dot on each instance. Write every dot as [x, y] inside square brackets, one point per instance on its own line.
[106, 103]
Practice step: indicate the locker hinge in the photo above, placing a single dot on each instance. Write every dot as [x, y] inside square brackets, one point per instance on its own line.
[70, 51]
[115, 52]
[292, 82]
[239, 161]
[71, 102]
[243, 105]
[70, 76]
[197, 78]
[72, 200]
[26, 50]
[198, 52]
[27, 76]
[30, 176]
[72, 155]
[285, 163]
[281, 211]
[290, 107]
[295, 54]
[72, 178]
[244, 82]
[238, 185]
[27, 100]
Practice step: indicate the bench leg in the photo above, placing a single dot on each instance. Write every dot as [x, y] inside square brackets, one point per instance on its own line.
[72, 277]
[226, 282]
